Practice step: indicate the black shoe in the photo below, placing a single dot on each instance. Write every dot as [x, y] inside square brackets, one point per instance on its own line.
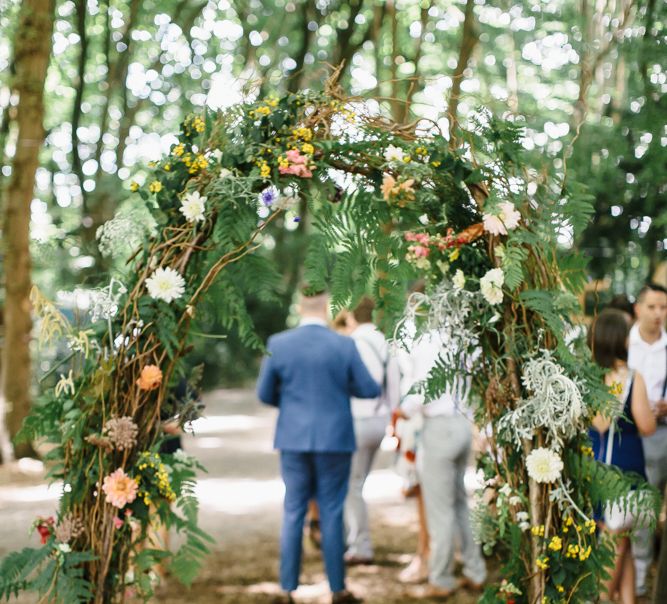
[345, 597]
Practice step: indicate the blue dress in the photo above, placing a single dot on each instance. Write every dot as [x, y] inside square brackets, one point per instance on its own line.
[628, 451]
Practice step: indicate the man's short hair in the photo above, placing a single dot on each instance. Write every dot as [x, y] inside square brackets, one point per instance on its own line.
[650, 287]
[363, 312]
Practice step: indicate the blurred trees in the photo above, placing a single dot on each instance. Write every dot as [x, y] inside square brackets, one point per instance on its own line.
[31, 58]
[588, 75]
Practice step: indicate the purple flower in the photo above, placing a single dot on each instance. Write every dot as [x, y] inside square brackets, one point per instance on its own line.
[268, 196]
[297, 219]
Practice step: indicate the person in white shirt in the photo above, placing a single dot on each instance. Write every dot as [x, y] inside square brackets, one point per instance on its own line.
[371, 418]
[442, 458]
[647, 354]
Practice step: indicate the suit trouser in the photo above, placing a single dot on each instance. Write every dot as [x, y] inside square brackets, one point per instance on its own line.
[324, 476]
[369, 432]
[442, 458]
[655, 454]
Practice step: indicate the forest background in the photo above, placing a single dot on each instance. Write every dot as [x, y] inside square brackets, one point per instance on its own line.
[586, 78]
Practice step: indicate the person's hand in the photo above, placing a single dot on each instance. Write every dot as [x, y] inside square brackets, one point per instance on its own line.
[171, 427]
[661, 409]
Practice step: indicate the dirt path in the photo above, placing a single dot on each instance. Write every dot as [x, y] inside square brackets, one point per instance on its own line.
[241, 499]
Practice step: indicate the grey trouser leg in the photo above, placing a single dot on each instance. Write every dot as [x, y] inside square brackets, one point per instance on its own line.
[655, 453]
[442, 461]
[369, 433]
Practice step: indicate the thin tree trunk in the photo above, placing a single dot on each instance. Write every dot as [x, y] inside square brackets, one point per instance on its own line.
[394, 102]
[414, 80]
[32, 52]
[469, 39]
[78, 97]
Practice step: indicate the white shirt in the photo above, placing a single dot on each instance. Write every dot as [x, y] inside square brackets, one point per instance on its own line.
[651, 361]
[425, 352]
[376, 355]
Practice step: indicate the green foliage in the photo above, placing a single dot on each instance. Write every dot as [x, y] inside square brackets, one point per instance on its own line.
[49, 571]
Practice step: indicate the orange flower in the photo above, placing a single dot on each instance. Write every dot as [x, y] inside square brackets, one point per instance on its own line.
[119, 488]
[388, 186]
[151, 378]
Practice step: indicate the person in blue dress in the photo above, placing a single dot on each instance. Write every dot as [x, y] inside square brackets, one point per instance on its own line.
[619, 441]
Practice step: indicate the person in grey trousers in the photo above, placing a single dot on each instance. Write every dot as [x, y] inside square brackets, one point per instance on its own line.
[443, 454]
[371, 418]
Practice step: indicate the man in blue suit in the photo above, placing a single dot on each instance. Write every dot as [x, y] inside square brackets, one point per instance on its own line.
[310, 374]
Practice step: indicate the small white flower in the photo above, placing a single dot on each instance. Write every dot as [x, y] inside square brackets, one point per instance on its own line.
[491, 285]
[544, 465]
[216, 154]
[224, 173]
[459, 279]
[423, 219]
[64, 548]
[393, 153]
[506, 490]
[165, 284]
[287, 200]
[192, 207]
[514, 500]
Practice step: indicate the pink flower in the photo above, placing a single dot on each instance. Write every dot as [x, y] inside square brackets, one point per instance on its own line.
[120, 488]
[420, 250]
[117, 522]
[298, 165]
[493, 224]
[510, 215]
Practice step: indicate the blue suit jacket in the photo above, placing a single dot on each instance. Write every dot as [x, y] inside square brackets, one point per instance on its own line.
[310, 374]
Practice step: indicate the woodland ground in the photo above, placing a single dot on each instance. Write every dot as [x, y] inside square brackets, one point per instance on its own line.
[241, 498]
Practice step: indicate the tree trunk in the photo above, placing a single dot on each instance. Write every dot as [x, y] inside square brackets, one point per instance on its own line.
[469, 39]
[32, 52]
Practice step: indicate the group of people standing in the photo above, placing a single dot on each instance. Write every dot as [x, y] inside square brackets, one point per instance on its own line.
[336, 397]
[629, 341]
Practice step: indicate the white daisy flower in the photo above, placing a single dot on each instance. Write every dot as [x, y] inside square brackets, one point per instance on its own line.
[393, 153]
[491, 285]
[509, 215]
[165, 284]
[544, 465]
[192, 207]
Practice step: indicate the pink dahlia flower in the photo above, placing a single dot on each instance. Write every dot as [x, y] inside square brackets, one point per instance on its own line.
[120, 488]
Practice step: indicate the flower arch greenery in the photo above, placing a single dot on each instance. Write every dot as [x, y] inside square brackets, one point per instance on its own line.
[387, 204]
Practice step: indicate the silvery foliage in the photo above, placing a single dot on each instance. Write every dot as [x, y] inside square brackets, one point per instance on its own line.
[555, 403]
[104, 302]
[448, 311]
[125, 232]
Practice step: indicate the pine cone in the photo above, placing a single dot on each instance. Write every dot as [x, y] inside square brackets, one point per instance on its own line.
[122, 432]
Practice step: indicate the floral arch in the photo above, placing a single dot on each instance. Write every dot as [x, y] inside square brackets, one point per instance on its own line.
[387, 203]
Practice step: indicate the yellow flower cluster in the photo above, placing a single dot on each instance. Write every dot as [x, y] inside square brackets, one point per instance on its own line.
[305, 134]
[542, 563]
[265, 109]
[454, 254]
[134, 186]
[590, 526]
[421, 151]
[155, 186]
[560, 589]
[196, 163]
[587, 451]
[572, 550]
[556, 543]
[616, 388]
[538, 530]
[568, 523]
[264, 169]
[198, 124]
[307, 148]
[179, 150]
[283, 162]
[160, 476]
